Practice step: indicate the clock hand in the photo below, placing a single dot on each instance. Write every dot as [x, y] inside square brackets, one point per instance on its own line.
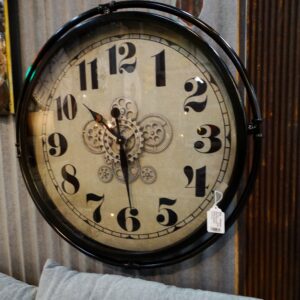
[100, 120]
[115, 113]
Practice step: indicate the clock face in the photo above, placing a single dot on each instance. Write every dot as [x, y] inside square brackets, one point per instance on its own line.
[130, 125]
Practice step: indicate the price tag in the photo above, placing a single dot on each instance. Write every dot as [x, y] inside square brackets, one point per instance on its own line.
[215, 216]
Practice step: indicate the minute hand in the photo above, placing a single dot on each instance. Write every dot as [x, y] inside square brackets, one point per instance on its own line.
[123, 158]
[124, 166]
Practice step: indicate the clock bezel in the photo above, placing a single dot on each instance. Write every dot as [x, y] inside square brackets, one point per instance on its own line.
[200, 239]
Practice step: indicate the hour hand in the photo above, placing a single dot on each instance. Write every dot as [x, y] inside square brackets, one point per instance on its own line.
[100, 120]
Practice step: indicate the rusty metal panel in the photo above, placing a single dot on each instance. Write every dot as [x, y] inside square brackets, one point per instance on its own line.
[270, 248]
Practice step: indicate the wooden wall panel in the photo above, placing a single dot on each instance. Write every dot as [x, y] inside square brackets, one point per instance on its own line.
[270, 248]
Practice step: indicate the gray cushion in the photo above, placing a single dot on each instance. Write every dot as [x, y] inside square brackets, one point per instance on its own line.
[12, 289]
[58, 282]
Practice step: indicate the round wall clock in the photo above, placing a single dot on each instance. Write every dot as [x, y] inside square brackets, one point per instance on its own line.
[128, 124]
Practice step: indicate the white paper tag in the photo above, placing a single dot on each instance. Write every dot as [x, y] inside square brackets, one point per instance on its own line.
[215, 220]
[215, 216]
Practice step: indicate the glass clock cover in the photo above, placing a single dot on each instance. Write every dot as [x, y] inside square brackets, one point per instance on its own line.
[129, 124]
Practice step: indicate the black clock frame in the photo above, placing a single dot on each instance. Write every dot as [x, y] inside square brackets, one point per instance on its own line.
[199, 240]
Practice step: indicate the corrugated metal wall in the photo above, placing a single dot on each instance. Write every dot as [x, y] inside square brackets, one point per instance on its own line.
[26, 240]
[270, 251]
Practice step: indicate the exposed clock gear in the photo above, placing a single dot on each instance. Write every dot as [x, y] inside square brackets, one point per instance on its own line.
[92, 137]
[105, 174]
[134, 170]
[127, 107]
[148, 175]
[133, 135]
[157, 132]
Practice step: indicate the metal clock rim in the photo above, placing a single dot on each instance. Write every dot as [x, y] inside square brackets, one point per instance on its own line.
[143, 259]
[107, 8]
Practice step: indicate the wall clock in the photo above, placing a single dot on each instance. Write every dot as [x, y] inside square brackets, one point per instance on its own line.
[128, 124]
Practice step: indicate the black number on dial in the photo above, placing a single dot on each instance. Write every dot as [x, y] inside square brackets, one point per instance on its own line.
[127, 62]
[58, 143]
[127, 219]
[68, 108]
[197, 87]
[200, 183]
[160, 68]
[70, 184]
[83, 75]
[97, 213]
[209, 142]
[167, 217]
